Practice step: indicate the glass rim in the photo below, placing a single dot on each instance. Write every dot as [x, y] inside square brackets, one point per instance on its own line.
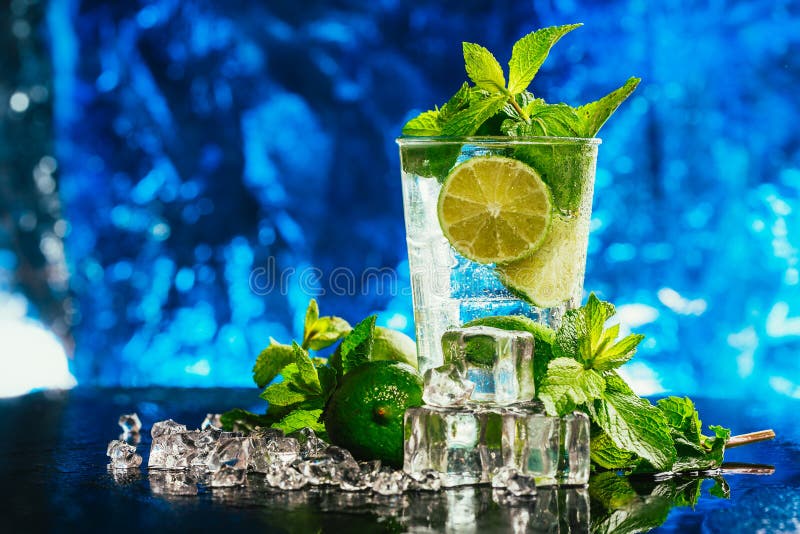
[411, 140]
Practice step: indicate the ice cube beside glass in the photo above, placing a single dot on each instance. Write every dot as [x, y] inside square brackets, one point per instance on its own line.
[498, 362]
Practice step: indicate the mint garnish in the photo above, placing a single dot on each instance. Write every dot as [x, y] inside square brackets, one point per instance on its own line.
[628, 431]
[530, 52]
[493, 107]
[483, 69]
[595, 114]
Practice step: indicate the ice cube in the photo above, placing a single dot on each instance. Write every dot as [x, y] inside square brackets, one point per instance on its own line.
[531, 442]
[574, 461]
[286, 477]
[340, 456]
[267, 433]
[390, 483]
[425, 480]
[199, 444]
[445, 440]
[319, 471]
[474, 443]
[499, 362]
[212, 420]
[311, 446]
[130, 423]
[447, 385]
[521, 485]
[259, 460]
[131, 438]
[232, 452]
[227, 477]
[283, 450]
[501, 476]
[172, 451]
[123, 456]
[169, 426]
[359, 477]
[171, 483]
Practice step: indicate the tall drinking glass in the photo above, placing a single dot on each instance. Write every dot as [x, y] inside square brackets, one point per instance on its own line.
[448, 288]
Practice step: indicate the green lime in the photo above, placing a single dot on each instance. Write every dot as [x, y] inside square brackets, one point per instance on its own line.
[365, 413]
[392, 345]
[554, 273]
[494, 209]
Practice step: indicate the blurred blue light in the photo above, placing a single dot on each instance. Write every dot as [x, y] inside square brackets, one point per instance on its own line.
[195, 146]
[184, 280]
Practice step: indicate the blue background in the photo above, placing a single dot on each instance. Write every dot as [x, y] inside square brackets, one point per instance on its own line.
[195, 140]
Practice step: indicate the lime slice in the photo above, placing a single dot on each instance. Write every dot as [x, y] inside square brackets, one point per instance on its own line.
[494, 209]
[554, 273]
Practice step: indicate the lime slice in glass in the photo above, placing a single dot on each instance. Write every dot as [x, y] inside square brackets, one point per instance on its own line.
[554, 273]
[494, 209]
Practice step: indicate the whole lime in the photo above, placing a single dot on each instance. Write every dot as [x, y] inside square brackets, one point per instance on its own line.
[365, 413]
[395, 346]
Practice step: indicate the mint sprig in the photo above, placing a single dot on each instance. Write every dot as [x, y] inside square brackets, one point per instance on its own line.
[297, 385]
[628, 431]
[494, 107]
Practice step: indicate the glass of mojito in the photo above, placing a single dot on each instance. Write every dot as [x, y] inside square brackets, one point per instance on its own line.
[497, 192]
[504, 232]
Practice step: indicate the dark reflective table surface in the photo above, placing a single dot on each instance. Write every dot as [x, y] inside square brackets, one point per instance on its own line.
[54, 479]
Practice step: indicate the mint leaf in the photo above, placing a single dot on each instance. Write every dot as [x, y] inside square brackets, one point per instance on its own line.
[271, 361]
[357, 346]
[327, 380]
[320, 332]
[483, 68]
[633, 424]
[581, 330]
[694, 452]
[682, 416]
[302, 419]
[242, 420]
[424, 124]
[595, 114]
[466, 122]
[568, 385]
[530, 52]
[306, 377]
[457, 102]
[553, 120]
[325, 332]
[614, 355]
[430, 123]
[607, 455]
[312, 314]
[283, 394]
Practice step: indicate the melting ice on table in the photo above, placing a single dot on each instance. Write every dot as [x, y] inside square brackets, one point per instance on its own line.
[480, 419]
